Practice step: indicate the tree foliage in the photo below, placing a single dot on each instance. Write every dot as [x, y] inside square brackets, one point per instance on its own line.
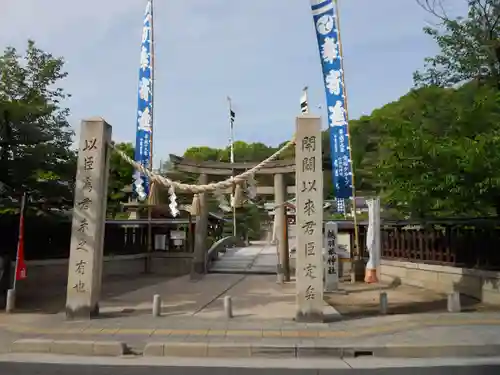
[120, 176]
[35, 136]
[469, 47]
[439, 151]
[243, 152]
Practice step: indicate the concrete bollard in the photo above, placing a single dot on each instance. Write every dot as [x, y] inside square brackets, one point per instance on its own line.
[10, 304]
[454, 302]
[228, 307]
[383, 303]
[156, 305]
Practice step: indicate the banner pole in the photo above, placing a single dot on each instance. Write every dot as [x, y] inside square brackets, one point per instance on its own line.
[153, 58]
[357, 252]
[231, 160]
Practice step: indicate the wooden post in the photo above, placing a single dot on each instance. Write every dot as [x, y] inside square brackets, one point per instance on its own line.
[280, 222]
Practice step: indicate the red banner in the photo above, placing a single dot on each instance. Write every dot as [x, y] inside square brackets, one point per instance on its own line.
[20, 263]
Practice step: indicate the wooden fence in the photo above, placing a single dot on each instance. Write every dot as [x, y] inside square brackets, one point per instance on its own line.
[50, 239]
[473, 243]
[46, 239]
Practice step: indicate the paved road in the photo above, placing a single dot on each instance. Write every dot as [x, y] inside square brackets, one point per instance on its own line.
[62, 369]
[179, 366]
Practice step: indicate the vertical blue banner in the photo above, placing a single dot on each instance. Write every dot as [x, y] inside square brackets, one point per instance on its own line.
[327, 33]
[144, 123]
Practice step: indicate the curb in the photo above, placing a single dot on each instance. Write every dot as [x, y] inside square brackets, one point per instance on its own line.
[70, 347]
[247, 350]
[201, 333]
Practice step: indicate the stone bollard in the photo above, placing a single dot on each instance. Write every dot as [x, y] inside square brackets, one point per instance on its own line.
[156, 305]
[383, 303]
[228, 307]
[454, 302]
[280, 276]
[10, 304]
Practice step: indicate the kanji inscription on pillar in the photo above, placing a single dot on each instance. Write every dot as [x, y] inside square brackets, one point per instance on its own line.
[309, 219]
[89, 214]
[331, 257]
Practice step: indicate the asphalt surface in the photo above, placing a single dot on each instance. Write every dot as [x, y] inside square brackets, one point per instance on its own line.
[18, 368]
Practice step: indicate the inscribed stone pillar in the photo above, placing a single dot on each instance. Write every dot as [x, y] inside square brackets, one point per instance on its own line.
[309, 213]
[331, 257]
[200, 239]
[89, 215]
[280, 222]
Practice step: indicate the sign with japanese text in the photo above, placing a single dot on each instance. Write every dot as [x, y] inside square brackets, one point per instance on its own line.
[344, 246]
[328, 34]
[144, 123]
[331, 256]
[309, 218]
[89, 213]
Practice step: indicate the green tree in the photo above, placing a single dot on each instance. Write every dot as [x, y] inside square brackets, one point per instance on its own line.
[469, 47]
[202, 153]
[243, 152]
[439, 151]
[251, 152]
[249, 221]
[35, 136]
[365, 140]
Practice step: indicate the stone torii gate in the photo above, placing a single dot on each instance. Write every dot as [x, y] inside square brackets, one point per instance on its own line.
[87, 235]
[279, 169]
[89, 210]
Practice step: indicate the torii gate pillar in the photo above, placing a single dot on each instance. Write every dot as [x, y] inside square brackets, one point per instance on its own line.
[281, 227]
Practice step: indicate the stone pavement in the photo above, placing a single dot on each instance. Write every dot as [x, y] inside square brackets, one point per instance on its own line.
[179, 294]
[362, 300]
[258, 258]
[397, 335]
[193, 324]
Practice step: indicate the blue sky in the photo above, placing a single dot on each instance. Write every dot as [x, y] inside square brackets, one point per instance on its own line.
[259, 52]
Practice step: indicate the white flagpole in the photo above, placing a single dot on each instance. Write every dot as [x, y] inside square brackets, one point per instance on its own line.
[231, 129]
[231, 146]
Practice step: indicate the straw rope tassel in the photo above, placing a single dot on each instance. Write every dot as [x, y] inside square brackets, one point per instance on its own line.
[195, 206]
[238, 196]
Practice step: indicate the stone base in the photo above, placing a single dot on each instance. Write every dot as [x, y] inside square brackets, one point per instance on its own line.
[342, 292]
[357, 270]
[313, 317]
[193, 276]
[198, 268]
[283, 273]
[82, 313]
[148, 263]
